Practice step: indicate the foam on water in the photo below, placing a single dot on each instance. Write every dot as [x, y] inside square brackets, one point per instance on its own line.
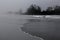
[48, 16]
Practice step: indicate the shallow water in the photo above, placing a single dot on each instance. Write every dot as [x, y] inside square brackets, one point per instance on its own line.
[10, 27]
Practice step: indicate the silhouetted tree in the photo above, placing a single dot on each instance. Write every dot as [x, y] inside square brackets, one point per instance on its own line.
[36, 10]
[33, 10]
[43, 12]
[57, 10]
[50, 11]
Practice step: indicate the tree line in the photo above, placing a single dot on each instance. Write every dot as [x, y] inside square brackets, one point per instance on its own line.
[36, 10]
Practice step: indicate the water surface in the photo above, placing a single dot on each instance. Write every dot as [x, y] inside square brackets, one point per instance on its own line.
[10, 27]
[47, 28]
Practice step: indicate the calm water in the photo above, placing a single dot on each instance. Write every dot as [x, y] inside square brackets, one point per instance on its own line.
[10, 28]
[46, 27]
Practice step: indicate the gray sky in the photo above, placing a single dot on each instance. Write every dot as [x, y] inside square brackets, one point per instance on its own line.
[15, 5]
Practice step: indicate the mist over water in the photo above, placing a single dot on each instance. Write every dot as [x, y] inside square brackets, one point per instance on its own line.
[10, 27]
[10, 24]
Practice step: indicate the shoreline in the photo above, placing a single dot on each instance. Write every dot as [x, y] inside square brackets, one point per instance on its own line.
[47, 16]
[41, 28]
[34, 36]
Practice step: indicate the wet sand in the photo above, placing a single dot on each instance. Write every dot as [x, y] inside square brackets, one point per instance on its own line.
[48, 29]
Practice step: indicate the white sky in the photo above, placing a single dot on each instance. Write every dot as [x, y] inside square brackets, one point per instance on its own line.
[15, 5]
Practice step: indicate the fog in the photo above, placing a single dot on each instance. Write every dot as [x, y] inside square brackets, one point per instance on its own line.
[16, 5]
